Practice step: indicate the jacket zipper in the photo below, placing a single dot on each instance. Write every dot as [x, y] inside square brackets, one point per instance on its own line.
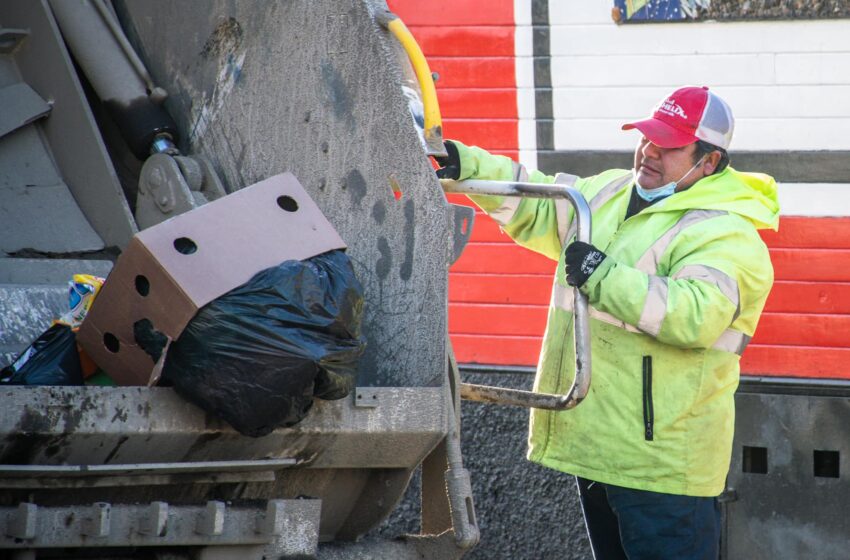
[648, 413]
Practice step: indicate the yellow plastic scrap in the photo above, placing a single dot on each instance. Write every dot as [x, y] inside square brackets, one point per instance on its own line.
[82, 289]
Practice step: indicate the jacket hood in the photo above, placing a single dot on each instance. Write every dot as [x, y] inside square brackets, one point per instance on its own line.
[750, 195]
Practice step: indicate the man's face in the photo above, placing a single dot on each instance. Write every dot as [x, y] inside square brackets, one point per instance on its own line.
[658, 166]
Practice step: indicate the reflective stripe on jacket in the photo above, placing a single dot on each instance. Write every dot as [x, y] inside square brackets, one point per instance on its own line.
[672, 307]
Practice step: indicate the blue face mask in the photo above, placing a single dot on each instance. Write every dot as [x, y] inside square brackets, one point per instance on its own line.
[651, 195]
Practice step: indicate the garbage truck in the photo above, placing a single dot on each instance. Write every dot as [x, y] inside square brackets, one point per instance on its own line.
[117, 116]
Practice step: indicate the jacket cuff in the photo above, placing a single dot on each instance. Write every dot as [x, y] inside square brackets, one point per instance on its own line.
[468, 161]
[598, 275]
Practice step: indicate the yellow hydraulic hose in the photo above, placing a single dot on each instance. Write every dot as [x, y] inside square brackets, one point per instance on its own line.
[431, 107]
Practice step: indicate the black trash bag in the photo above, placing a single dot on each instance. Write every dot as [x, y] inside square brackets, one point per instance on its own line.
[52, 359]
[258, 355]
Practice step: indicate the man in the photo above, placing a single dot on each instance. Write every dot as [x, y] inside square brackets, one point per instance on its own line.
[676, 277]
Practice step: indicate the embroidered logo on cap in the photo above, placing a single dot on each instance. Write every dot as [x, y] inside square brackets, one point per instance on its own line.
[670, 107]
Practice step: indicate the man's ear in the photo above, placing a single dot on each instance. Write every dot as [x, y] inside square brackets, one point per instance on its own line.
[712, 160]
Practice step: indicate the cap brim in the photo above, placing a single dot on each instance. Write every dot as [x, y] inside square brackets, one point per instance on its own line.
[662, 134]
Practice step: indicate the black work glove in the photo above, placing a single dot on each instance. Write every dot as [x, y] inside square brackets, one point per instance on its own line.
[449, 165]
[580, 261]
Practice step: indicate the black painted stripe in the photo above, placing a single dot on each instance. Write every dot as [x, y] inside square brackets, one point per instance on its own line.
[542, 75]
[784, 166]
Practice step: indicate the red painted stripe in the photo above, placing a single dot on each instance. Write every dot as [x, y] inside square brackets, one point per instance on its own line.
[478, 103]
[828, 265]
[489, 72]
[794, 263]
[502, 258]
[496, 133]
[803, 329]
[795, 361]
[513, 320]
[530, 320]
[816, 233]
[464, 41]
[501, 350]
[486, 228]
[520, 289]
[454, 12]
[807, 297]
[460, 199]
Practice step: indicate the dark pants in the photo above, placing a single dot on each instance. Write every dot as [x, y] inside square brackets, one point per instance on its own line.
[637, 525]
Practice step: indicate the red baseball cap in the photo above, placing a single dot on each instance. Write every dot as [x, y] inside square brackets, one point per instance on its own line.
[688, 114]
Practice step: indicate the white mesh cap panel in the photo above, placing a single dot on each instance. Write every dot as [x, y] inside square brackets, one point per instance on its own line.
[717, 123]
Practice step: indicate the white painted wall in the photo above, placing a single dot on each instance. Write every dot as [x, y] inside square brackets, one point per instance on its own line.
[788, 82]
[524, 68]
[816, 200]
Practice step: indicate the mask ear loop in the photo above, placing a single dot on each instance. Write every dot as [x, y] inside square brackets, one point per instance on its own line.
[697, 164]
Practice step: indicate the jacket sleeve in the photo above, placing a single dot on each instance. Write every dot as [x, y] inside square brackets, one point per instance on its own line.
[717, 280]
[534, 223]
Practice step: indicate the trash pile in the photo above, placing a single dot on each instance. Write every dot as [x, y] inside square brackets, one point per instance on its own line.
[247, 306]
[54, 358]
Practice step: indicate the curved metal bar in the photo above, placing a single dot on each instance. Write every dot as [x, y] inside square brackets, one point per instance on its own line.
[581, 317]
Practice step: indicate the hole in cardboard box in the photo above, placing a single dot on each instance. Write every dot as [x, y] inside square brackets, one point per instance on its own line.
[185, 246]
[149, 339]
[111, 342]
[143, 286]
[287, 203]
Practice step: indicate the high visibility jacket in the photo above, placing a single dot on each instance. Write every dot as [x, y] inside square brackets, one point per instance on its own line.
[672, 308]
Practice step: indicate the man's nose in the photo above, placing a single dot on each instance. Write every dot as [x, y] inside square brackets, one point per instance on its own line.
[650, 150]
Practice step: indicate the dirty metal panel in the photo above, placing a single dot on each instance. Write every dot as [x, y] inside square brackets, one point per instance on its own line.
[789, 474]
[357, 460]
[105, 425]
[37, 209]
[75, 145]
[315, 88]
[44, 219]
[21, 106]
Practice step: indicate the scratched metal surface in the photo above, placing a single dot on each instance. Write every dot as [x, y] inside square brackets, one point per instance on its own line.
[314, 88]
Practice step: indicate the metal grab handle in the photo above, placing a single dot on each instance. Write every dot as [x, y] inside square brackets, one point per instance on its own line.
[581, 316]
[430, 105]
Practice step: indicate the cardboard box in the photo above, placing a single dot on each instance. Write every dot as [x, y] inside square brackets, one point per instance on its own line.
[169, 271]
